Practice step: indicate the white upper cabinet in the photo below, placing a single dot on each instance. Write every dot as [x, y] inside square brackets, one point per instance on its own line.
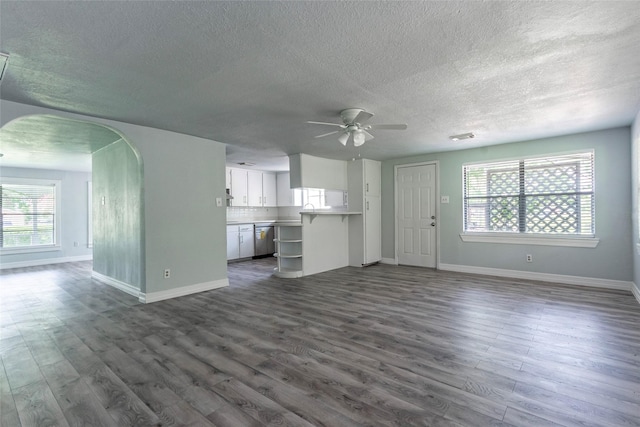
[317, 172]
[239, 189]
[269, 191]
[252, 188]
[254, 178]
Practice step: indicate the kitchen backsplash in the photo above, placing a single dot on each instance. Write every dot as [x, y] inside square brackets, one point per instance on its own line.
[262, 214]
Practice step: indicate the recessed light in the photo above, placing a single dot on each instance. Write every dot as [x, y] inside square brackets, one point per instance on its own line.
[462, 136]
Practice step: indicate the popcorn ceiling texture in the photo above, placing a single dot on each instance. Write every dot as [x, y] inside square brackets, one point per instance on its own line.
[249, 74]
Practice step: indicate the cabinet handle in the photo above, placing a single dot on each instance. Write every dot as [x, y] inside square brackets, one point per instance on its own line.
[367, 187]
[244, 199]
[367, 205]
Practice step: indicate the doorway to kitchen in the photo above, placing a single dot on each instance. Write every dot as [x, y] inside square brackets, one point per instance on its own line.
[416, 214]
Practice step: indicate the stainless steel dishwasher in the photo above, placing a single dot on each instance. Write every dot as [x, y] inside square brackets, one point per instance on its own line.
[264, 240]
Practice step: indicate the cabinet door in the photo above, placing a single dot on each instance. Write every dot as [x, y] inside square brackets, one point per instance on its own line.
[239, 187]
[372, 230]
[269, 198]
[247, 248]
[233, 243]
[254, 188]
[372, 178]
[227, 178]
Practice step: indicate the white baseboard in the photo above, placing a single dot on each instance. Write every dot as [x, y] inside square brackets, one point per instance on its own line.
[45, 261]
[544, 277]
[635, 290]
[182, 291]
[124, 287]
[391, 261]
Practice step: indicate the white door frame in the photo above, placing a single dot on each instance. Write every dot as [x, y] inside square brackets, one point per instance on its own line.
[437, 203]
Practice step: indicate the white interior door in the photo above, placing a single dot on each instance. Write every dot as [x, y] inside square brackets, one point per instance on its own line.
[416, 187]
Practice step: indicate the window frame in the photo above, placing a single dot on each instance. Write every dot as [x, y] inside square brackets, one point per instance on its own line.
[57, 184]
[522, 237]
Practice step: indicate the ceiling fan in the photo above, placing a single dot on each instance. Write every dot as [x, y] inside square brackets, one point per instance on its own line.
[352, 127]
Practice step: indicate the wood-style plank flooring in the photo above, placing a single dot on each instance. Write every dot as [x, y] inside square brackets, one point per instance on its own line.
[379, 346]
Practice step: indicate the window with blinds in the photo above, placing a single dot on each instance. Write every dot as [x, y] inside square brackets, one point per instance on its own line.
[545, 195]
[28, 215]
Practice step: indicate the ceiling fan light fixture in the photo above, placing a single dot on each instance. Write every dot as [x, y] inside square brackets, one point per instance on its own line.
[344, 138]
[462, 136]
[358, 138]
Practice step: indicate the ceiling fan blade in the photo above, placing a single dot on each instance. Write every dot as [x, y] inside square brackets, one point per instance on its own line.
[328, 124]
[367, 135]
[391, 127]
[327, 134]
[362, 117]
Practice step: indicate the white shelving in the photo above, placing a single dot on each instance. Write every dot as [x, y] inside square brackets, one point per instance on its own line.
[289, 250]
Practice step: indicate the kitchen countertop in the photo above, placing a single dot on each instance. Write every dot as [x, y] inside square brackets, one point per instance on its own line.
[266, 222]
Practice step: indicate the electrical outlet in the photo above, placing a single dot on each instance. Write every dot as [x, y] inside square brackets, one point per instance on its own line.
[529, 258]
[167, 273]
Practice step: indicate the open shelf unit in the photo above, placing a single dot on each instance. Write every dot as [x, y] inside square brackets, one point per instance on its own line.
[288, 250]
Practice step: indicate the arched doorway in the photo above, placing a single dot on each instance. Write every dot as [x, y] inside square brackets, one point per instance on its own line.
[45, 141]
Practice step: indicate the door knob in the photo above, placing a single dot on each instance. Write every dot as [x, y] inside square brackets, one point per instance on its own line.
[433, 224]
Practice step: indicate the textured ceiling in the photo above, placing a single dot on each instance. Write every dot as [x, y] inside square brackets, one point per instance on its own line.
[249, 74]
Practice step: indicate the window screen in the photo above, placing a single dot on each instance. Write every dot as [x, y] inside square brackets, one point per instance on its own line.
[546, 195]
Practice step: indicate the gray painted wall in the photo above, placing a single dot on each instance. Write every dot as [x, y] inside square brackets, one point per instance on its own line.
[74, 218]
[610, 260]
[635, 196]
[184, 229]
[117, 227]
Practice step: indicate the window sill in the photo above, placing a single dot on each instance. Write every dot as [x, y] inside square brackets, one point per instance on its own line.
[574, 242]
[29, 250]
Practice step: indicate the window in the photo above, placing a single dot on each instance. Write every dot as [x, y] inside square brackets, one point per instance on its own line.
[29, 213]
[546, 195]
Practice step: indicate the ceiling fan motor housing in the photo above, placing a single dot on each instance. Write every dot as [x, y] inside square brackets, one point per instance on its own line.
[349, 115]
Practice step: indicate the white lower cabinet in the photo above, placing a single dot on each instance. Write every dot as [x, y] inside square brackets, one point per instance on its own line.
[240, 241]
[233, 243]
[247, 246]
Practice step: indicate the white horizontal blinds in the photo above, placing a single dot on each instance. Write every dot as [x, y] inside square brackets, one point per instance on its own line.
[560, 195]
[491, 196]
[28, 215]
[549, 195]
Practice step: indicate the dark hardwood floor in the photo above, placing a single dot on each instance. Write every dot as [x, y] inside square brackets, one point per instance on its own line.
[383, 345]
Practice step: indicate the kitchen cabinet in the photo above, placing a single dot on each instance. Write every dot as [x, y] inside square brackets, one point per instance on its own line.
[286, 195]
[254, 188]
[239, 187]
[364, 178]
[261, 189]
[247, 247]
[317, 172]
[240, 242]
[233, 243]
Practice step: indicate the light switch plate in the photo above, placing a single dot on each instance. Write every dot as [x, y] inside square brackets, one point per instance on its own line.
[219, 201]
[444, 199]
